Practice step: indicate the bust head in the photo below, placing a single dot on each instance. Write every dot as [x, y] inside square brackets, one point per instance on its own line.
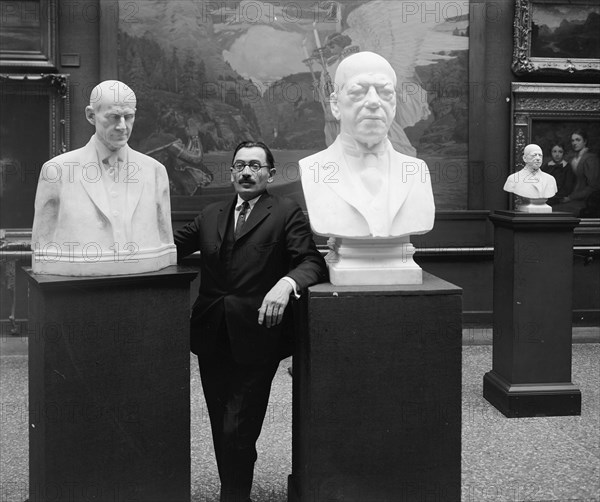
[533, 157]
[112, 112]
[531, 183]
[365, 97]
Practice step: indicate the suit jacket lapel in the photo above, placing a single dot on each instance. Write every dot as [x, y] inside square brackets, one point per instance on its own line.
[135, 177]
[344, 185]
[224, 213]
[400, 183]
[93, 185]
[259, 212]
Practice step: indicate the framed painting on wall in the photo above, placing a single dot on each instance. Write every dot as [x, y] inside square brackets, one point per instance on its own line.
[560, 114]
[28, 36]
[35, 128]
[556, 37]
[209, 75]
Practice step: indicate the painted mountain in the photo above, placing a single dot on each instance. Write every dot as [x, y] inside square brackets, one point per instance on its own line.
[566, 37]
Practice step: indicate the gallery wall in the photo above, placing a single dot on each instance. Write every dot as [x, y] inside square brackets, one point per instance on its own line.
[467, 101]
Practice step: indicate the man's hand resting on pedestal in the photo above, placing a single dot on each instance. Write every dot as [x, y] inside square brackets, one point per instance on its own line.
[274, 303]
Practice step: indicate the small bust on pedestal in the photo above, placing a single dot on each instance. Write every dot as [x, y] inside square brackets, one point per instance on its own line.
[103, 209]
[532, 186]
[367, 197]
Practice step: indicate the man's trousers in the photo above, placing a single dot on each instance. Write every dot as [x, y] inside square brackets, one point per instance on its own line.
[237, 396]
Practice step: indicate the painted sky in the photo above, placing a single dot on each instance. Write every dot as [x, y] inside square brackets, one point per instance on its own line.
[258, 54]
[552, 16]
[265, 44]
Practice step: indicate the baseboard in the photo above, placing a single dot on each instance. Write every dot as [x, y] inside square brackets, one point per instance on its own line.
[485, 318]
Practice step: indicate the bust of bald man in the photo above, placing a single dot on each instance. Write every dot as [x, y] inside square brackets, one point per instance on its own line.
[360, 187]
[532, 185]
[103, 209]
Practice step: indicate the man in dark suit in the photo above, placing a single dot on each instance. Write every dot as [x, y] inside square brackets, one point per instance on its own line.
[256, 251]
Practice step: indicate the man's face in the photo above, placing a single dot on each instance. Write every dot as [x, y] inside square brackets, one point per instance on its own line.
[533, 157]
[113, 122]
[365, 107]
[247, 183]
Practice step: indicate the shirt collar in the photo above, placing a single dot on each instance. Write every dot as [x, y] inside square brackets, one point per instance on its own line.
[562, 163]
[351, 147]
[251, 202]
[104, 153]
[531, 170]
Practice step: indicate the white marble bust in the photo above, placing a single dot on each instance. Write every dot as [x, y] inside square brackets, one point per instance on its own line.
[360, 191]
[103, 209]
[531, 185]
[360, 187]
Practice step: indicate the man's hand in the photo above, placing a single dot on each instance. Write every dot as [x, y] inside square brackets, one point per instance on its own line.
[274, 303]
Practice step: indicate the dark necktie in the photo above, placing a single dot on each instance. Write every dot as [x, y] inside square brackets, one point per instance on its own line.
[241, 219]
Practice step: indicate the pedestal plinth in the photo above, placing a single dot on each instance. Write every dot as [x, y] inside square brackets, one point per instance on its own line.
[367, 262]
[109, 387]
[533, 284]
[526, 205]
[377, 394]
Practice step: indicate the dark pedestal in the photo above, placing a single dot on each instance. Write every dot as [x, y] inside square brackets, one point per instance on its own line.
[109, 387]
[533, 284]
[377, 394]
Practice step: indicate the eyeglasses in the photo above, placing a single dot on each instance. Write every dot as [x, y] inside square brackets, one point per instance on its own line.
[240, 165]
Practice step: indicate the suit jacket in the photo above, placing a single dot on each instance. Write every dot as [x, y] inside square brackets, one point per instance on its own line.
[337, 204]
[71, 206]
[276, 241]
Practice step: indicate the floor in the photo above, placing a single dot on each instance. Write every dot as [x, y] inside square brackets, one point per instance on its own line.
[526, 459]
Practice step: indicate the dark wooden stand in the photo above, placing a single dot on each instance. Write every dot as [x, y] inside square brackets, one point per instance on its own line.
[377, 394]
[533, 285]
[109, 387]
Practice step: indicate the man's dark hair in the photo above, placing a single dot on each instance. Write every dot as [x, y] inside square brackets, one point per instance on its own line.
[258, 144]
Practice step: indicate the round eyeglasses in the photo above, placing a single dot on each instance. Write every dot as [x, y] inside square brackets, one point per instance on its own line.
[240, 165]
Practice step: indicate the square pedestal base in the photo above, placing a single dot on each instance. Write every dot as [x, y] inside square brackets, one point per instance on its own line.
[531, 400]
[533, 295]
[109, 387]
[377, 394]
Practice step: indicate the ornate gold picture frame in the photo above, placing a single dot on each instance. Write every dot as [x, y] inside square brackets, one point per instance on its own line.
[547, 114]
[556, 37]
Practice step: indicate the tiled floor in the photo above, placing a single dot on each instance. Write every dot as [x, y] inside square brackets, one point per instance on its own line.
[503, 460]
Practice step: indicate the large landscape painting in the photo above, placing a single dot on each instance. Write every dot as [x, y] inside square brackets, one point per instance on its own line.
[565, 30]
[211, 74]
